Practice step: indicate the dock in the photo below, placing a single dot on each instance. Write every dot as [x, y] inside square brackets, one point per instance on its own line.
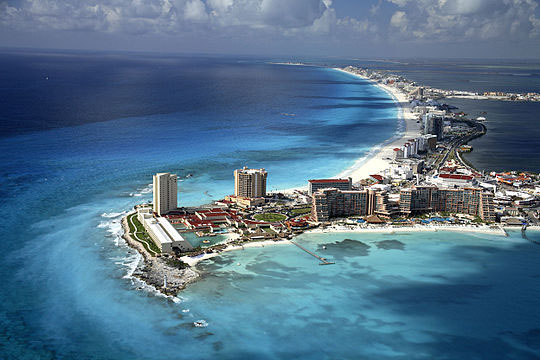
[322, 260]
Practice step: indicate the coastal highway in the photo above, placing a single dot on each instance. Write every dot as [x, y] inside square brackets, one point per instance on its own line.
[479, 130]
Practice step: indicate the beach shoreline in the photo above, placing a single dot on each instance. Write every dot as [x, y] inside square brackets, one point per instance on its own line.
[152, 270]
[377, 159]
[380, 157]
[500, 231]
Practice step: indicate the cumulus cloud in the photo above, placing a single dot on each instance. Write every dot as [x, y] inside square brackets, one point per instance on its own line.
[411, 20]
[286, 13]
[176, 16]
[399, 20]
[399, 3]
[456, 20]
[195, 10]
[220, 6]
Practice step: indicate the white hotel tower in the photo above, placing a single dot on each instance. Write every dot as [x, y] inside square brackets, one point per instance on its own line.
[165, 193]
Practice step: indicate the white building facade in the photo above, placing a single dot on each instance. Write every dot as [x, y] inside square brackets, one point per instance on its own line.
[165, 193]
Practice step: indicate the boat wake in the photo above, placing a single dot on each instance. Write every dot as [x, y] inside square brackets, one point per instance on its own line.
[200, 323]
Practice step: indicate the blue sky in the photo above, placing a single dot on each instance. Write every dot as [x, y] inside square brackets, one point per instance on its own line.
[352, 28]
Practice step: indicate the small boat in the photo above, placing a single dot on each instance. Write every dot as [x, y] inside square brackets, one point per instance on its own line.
[200, 323]
[324, 247]
[206, 241]
[237, 264]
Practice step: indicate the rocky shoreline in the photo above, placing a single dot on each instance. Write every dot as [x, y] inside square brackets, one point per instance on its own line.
[152, 270]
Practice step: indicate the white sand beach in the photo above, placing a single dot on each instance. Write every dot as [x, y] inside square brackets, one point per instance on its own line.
[191, 261]
[483, 229]
[377, 160]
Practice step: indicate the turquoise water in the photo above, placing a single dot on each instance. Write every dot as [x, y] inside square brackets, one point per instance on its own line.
[82, 135]
[410, 296]
[78, 150]
[198, 241]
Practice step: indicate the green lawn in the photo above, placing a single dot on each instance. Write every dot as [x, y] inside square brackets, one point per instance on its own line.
[301, 211]
[270, 217]
[140, 234]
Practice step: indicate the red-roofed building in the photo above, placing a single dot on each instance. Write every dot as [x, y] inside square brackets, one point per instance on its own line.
[454, 179]
[378, 178]
[398, 154]
[318, 184]
[297, 224]
[245, 202]
[207, 219]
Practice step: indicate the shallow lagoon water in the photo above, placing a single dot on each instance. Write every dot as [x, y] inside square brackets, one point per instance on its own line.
[436, 295]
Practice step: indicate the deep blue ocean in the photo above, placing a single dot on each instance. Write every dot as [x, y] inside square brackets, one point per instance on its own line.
[81, 135]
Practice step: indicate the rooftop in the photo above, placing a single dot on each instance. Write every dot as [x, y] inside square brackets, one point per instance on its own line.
[456, 177]
[323, 181]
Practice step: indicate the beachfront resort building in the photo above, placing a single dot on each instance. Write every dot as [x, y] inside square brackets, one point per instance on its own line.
[318, 184]
[162, 233]
[472, 201]
[244, 202]
[250, 183]
[434, 125]
[329, 203]
[412, 147]
[165, 193]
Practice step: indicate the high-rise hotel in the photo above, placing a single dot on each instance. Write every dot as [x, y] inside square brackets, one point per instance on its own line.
[165, 193]
[472, 201]
[250, 183]
[332, 202]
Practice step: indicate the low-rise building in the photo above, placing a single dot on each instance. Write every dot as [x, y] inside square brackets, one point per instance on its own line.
[451, 180]
[245, 202]
[162, 233]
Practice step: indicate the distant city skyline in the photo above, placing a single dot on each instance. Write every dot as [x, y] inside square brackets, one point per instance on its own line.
[342, 28]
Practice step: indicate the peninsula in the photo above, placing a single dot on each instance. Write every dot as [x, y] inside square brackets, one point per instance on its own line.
[417, 181]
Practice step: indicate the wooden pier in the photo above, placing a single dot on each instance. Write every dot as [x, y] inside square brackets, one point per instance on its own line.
[322, 260]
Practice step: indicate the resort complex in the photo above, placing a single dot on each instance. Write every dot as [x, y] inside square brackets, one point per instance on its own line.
[419, 182]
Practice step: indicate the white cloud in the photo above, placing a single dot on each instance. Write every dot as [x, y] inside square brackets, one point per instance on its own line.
[411, 20]
[399, 20]
[283, 17]
[399, 3]
[464, 20]
[374, 9]
[195, 10]
[219, 5]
